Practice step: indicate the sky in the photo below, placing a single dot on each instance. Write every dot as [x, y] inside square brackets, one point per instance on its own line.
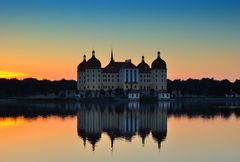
[46, 39]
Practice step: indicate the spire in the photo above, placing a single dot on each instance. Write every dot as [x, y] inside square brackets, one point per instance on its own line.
[84, 57]
[112, 60]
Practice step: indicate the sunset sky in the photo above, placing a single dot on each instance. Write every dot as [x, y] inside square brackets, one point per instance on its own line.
[46, 39]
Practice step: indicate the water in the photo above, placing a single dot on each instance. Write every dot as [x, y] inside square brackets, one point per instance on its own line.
[176, 131]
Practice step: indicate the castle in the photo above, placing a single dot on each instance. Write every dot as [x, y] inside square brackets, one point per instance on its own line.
[121, 75]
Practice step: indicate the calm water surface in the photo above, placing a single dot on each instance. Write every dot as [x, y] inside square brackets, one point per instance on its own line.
[176, 131]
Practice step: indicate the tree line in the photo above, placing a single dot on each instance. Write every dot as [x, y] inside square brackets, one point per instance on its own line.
[204, 87]
[31, 86]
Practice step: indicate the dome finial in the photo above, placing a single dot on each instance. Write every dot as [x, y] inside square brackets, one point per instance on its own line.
[84, 57]
[93, 52]
[142, 58]
[158, 53]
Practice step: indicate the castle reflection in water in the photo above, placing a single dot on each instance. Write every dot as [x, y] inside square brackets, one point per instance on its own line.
[122, 120]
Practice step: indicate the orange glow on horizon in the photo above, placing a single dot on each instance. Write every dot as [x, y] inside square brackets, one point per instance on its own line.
[9, 74]
[8, 122]
[56, 64]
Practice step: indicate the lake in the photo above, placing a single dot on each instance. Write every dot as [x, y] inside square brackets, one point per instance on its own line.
[113, 131]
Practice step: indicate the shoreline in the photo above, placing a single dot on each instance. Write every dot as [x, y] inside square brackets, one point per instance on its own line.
[116, 99]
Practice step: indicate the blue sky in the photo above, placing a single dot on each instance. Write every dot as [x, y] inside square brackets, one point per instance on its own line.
[182, 29]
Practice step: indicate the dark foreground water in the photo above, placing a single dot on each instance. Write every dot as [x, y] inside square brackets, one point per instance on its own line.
[164, 131]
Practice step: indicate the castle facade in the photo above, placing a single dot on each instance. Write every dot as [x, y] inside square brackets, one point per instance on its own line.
[91, 76]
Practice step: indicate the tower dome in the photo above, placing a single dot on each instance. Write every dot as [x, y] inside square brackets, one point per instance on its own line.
[82, 65]
[159, 63]
[143, 66]
[93, 62]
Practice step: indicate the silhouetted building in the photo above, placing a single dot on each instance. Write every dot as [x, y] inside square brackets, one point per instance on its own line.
[121, 75]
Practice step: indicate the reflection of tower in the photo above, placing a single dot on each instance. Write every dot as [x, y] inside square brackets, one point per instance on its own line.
[122, 121]
[144, 126]
[159, 123]
[89, 124]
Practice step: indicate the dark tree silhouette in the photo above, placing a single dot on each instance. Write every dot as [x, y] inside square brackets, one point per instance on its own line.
[204, 87]
[31, 86]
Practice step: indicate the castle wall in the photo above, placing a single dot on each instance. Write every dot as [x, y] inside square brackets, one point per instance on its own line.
[159, 79]
[145, 81]
[93, 79]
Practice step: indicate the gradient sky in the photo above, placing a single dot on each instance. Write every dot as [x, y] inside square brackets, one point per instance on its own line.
[47, 38]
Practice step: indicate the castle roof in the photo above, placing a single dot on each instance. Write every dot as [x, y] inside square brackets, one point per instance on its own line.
[82, 65]
[113, 67]
[93, 62]
[128, 65]
[143, 67]
[159, 63]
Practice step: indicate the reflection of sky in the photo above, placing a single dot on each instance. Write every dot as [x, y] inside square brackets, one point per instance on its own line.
[55, 139]
[198, 38]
